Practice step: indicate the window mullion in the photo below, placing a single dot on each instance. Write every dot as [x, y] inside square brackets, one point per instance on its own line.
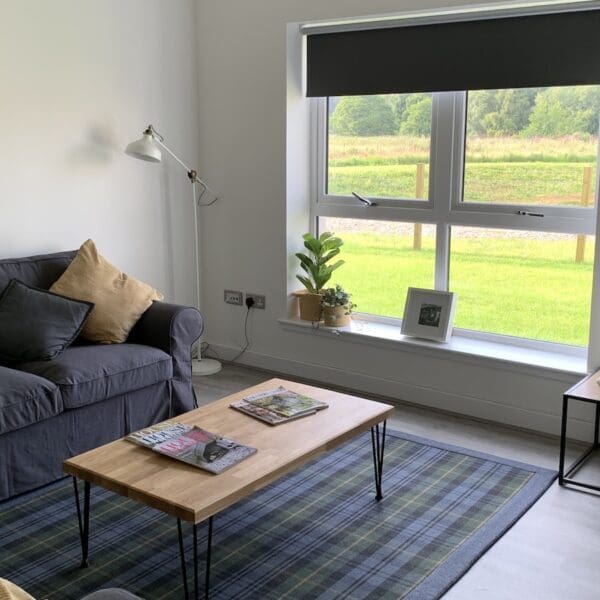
[445, 174]
[442, 256]
[319, 150]
[318, 144]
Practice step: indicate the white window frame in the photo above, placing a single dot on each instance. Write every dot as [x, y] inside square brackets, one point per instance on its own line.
[444, 206]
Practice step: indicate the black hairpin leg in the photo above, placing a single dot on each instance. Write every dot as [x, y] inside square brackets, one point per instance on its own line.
[182, 556]
[207, 563]
[83, 522]
[378, 443]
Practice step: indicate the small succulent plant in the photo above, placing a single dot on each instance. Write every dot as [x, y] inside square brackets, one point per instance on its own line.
[337, 296]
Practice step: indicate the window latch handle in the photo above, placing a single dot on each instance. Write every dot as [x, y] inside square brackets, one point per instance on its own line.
[364, 200]
[529, 214]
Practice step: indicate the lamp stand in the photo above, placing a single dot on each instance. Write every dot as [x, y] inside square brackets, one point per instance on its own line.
[205, 366]
[200, 366]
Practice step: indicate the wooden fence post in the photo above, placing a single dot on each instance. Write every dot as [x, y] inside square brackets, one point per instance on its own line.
[585, 200]
[419, 194]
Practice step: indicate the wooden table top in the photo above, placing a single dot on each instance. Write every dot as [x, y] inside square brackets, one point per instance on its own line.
[193, 494]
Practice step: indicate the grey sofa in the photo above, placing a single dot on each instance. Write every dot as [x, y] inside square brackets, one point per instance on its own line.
[91, 393]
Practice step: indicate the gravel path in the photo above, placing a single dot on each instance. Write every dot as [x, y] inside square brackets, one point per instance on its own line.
[341, 226]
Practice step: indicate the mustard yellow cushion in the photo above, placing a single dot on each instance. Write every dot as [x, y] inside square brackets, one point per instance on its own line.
[119, 300]
[9, 591]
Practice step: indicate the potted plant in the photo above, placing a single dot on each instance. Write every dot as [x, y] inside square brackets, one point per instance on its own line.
[337, 307]
[316, 264]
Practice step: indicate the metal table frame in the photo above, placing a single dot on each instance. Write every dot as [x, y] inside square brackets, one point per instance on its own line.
[564, 474]
[83, 519]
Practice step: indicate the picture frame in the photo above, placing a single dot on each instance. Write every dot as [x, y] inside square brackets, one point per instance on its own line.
[429, 314]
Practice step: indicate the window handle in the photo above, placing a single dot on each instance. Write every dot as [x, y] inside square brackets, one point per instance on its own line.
[529, 214]
[364, 200]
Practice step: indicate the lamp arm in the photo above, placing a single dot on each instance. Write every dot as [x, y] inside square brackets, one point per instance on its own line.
[159, 141]
[192, 173]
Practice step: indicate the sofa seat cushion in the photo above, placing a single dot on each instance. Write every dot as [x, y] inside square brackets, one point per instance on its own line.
[26, 399]
[88, 374]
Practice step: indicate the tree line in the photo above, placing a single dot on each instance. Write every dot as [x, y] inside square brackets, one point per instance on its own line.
[526, 112]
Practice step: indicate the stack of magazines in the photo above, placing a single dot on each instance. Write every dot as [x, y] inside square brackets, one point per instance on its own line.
[192, 445]
[278, 406]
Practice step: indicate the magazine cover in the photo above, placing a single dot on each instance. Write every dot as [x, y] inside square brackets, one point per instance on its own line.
[268, 416]
[205, 450]
[285, 402]
[155, 434]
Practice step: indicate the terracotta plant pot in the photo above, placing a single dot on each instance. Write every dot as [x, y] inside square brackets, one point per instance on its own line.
[335, 316]
[309, 305]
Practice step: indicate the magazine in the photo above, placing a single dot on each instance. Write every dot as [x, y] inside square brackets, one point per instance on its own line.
[285, 402]
[205, 450]
[264, 414]
[155, 434]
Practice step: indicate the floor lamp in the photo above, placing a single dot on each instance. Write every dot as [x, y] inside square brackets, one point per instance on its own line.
[148, 148]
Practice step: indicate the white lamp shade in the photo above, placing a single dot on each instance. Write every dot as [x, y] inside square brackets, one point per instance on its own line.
[144, 149]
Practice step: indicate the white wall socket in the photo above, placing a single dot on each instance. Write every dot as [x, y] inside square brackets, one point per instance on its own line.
[233, 297]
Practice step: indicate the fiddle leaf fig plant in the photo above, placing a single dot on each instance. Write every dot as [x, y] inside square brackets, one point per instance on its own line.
[321, 251]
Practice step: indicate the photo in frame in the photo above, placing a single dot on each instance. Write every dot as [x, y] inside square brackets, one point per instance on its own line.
[429, 314]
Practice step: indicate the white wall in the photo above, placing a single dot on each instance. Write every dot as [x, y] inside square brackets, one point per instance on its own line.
[78, 80]
[243, 146]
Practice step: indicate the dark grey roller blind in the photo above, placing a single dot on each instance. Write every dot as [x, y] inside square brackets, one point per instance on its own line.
[514, 52]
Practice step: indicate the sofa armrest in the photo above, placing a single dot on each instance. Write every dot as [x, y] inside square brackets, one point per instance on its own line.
[173, 329]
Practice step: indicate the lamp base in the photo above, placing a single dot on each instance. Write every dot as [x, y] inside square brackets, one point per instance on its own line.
[205, 366]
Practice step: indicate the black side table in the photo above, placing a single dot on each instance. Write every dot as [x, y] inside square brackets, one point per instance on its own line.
[587, 390]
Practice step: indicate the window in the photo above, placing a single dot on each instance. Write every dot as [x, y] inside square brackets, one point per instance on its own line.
[381, 262]
[363, 132]
[532, 146]
[521, 283]
[489, 193]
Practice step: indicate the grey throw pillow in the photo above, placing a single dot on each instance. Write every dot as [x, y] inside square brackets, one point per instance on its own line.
[36, 324]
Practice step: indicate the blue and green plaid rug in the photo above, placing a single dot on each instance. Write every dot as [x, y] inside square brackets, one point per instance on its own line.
[316, 533]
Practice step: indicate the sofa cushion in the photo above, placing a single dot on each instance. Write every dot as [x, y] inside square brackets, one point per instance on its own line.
[119, 299]
[42, 270]
[88, 374]
[26, 399]
[37, 324]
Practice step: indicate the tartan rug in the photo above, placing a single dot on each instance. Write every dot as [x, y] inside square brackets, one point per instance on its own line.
[316, 533]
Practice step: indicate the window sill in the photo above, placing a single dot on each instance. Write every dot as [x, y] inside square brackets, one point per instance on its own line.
[461, 348]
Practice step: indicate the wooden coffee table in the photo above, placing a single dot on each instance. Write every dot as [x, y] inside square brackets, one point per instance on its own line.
[193, 495]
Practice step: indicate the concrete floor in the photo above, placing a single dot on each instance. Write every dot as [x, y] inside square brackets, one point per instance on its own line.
[552, 553]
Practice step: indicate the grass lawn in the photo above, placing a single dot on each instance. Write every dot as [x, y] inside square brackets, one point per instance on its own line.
[528, 288]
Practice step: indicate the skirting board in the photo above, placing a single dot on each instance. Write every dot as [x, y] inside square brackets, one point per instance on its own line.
[486, 410]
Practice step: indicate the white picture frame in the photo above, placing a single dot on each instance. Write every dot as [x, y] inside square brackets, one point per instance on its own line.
[429, 314]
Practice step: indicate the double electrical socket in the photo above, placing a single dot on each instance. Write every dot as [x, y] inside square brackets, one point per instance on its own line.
[237, 298]
[259, 300]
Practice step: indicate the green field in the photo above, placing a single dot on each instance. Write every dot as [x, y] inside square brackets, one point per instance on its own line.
[504, 170]
[513, 183]
[526, 287]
